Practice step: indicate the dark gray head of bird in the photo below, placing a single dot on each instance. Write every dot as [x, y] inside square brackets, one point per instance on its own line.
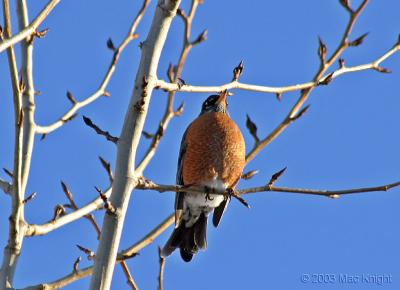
[215, 103]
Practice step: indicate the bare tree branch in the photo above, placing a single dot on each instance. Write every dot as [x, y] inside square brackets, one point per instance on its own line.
[76, 264]
[127, 176]
[99, 131]
[91, 218]
[123, 255]
[75, 207]
[161, 271]
[107, 166]
[175, 74]
[148, 239]
[163, 85]
[24, 121]
[131, 282]
[29, 197]
[148, 184]
[29, 29]
[249, 174]
[296, 111]
[252, 127]
[12, 61]
[328, 193]
[88, 252]
[101, 91]
[125, 181]
[39, 230]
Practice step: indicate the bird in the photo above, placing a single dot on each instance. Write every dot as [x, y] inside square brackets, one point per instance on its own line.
[212, 155]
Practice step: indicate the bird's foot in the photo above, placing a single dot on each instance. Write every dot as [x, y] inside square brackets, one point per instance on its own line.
[231, 193]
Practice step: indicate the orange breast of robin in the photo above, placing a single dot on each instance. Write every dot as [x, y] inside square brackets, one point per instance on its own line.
[215, 149]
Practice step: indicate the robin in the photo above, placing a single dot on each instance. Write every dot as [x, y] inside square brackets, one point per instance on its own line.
[212, 155]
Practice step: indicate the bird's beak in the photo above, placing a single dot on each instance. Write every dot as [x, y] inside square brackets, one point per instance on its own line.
[223, 96]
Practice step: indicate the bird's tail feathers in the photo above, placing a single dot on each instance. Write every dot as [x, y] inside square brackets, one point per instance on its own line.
[188, 239]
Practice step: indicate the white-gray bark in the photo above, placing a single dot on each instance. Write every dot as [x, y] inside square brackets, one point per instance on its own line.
[25, 134]
[125, 178]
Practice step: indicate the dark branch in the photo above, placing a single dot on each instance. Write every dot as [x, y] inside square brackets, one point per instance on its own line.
[276, 176]
[252, 128]
[99, 131]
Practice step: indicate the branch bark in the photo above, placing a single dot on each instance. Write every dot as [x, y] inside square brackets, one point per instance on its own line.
[123, 255]
[25, 128]
[324, 66]
[43, 229]
[269, 187]
[163, 85]
[175, 74]
[106, 80]
[125, 179]
[29, 29]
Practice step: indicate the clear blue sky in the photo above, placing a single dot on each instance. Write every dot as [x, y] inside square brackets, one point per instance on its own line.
[349, 138]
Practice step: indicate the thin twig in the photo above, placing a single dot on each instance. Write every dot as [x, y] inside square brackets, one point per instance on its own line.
[43, 229]
[249, 174]
[107, 166]
[328, 193]
[88, 252]
[8, 172]
[29, 198]
[75, 207]
[99, 131]
[93, 221]
[131, 282]
[107, 204]
[76, 264]
[161, 271]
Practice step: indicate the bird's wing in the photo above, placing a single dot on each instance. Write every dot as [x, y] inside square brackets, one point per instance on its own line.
[179, 180]
[219, 211]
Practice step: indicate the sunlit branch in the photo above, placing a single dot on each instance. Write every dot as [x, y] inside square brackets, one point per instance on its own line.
[124, 179]
[318, 78]
[161, 84]
[38, 230]
[123, 255]
[101, 91]
[30, 29]
[131, 282]
[175, 74]
[24, 108]
[149, 185]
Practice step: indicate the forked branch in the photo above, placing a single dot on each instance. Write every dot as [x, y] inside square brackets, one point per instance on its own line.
[175, 75]
[30, 29]
[101, 91]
